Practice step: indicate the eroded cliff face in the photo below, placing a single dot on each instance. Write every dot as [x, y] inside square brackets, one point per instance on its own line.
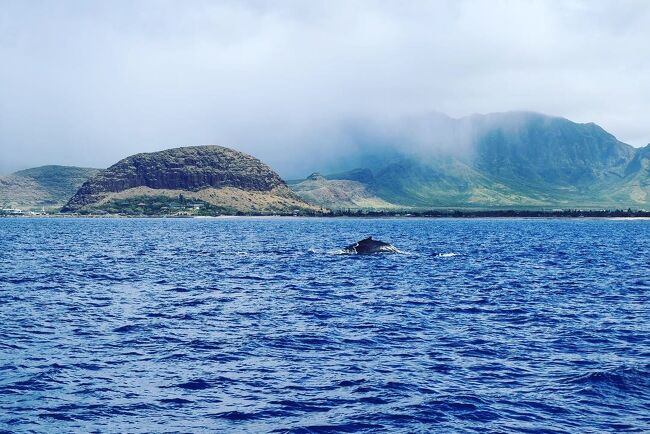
[183, 169]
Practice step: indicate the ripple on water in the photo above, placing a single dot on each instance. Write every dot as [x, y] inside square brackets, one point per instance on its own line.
[261, 325]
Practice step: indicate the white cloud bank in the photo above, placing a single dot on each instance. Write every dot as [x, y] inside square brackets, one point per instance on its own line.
[87, 83]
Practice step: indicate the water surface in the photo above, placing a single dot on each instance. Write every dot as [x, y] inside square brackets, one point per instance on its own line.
[258, 325]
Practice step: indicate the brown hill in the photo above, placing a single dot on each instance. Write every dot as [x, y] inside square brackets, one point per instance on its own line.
[227, 180]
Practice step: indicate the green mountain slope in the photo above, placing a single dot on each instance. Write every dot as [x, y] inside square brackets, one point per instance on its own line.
[635, 185]
[47, 187]
[515, 159]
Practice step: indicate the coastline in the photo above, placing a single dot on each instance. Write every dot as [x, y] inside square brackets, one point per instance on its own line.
[456, 214]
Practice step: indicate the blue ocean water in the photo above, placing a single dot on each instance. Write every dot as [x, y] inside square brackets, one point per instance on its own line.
[260, 325]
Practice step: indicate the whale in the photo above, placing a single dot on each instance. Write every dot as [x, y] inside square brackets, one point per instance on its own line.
[369, 246]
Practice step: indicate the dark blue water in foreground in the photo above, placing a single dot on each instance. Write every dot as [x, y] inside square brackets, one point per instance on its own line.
[257, 325]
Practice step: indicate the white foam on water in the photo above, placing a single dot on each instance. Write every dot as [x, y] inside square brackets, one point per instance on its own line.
[385, 252]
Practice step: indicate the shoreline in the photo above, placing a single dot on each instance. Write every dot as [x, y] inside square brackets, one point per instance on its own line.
[435, 215]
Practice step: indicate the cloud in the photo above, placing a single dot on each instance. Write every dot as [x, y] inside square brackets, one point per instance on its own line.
[87, 83]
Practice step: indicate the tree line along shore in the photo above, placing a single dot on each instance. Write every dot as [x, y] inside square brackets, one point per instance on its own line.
[436, 213]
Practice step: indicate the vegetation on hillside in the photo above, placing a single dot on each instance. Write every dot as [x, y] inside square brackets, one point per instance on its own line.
[48, 187]
[503, 160]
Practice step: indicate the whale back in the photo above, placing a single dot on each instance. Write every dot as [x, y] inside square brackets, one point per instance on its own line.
[368, 245]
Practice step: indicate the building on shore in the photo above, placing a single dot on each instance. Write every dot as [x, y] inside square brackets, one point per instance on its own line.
[11, 211]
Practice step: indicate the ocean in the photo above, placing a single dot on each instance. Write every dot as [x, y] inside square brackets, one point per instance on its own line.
[263, 325]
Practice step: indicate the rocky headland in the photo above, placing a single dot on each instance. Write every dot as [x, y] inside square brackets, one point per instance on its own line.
[214, 178]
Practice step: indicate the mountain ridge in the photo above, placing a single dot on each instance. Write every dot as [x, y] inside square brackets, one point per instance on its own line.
[498, 160]
[508, 159]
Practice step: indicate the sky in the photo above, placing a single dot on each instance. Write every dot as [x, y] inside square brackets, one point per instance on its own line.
[87, 83]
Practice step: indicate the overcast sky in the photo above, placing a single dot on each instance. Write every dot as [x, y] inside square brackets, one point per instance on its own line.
[89, 82]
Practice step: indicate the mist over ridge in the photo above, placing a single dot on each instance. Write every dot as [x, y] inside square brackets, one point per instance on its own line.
[513, 159]
[371, 142]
